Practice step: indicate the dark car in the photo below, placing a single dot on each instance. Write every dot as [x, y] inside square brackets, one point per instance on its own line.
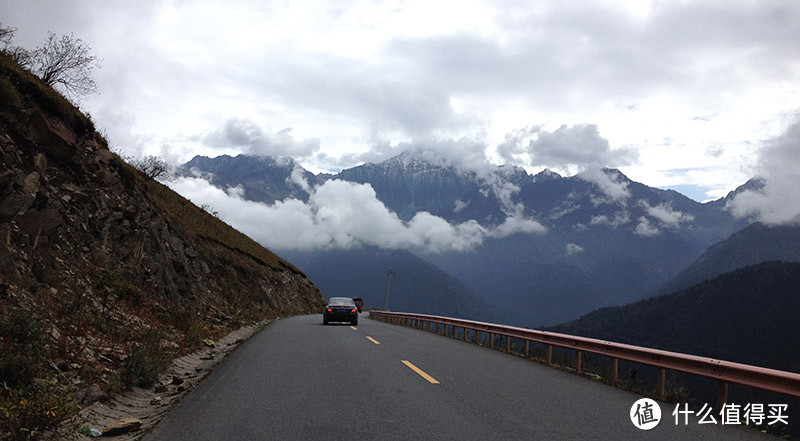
[340, 309]
[359, 303]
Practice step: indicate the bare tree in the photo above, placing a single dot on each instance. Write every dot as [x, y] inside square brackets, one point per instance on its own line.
[6, 36]
[209, 209]
[19, 54]
[152, 167]
[65, 62]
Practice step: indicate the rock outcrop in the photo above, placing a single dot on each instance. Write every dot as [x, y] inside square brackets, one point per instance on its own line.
[97, 262]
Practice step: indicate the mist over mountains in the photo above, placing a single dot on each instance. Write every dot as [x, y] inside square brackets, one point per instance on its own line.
[541, 248]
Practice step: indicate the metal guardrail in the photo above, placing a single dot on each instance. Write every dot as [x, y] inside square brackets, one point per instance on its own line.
[787, 383]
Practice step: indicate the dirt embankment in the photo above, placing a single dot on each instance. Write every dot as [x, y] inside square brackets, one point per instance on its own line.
[106, 277]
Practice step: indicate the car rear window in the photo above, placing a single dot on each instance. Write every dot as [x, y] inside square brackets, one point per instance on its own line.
[342, 301]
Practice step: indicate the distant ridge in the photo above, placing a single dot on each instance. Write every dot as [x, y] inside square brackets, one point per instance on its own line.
[754, 244]
[748, 315]
[608, 241]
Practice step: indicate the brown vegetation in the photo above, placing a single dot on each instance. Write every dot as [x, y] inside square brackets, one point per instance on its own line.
[106, 275]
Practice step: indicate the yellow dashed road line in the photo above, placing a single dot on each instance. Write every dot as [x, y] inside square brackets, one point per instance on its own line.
[373, 340]
[420, 372]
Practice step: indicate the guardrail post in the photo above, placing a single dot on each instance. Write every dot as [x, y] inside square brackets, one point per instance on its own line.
[578, 359]
[614, 371]
[722, 397]
[660, 383]
[477, 337]
[491, 340]
[526, 349]
[508, 344]
[465, 334]
[549, 356]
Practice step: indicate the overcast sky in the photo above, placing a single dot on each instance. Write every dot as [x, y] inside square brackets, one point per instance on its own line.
[677, 94]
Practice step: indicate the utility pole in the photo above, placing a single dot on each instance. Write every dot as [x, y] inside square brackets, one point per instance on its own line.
[389, 276]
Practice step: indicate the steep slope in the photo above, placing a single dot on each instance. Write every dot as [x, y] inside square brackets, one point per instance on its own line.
[417, 286]
[754, 244]
[105, 275]
[748, 315]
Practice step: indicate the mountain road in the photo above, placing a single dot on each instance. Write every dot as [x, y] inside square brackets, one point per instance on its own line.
[300, 380]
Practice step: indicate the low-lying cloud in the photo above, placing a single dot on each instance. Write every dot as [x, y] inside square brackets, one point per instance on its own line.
[341, 214]
[665, 214]
[776, 203]
[579, 148]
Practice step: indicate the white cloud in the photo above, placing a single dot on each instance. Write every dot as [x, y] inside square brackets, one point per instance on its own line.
[342, 214]
[664, 213]
[356, 74]
[620, 218]
[573, 249]
[567, 148]
[579, 148]
[297, 178]
[609, 183]
[252, 139]
[515, 225]
[645, 228]
[460, 205]
[776, 203]
[563, 210]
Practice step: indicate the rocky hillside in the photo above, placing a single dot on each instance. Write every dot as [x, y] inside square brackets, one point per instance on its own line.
[105, 275]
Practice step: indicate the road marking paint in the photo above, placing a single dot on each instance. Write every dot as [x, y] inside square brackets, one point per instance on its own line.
[373, 340]
[420, 372]
[353, 328]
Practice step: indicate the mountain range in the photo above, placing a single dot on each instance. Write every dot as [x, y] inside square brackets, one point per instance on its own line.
[604, 239]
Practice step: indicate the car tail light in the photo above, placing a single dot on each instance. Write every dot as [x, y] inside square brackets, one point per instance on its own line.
[353, 310]
[330, 310]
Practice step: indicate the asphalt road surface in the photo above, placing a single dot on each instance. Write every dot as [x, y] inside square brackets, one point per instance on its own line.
[300, 380]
